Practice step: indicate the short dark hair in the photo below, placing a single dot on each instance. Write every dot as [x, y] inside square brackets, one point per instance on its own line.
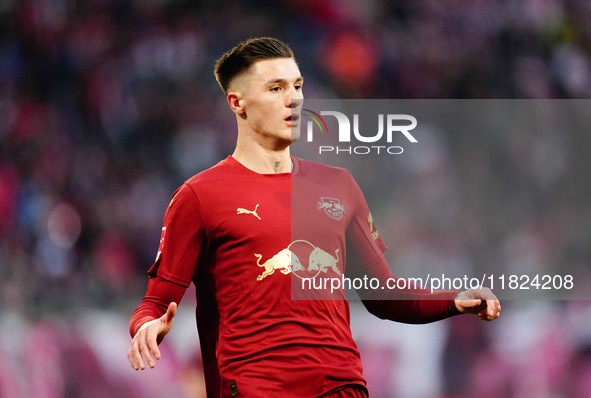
[244, 54]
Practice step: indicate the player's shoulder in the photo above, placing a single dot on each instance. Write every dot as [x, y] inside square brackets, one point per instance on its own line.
[212, 174]
[200, 183]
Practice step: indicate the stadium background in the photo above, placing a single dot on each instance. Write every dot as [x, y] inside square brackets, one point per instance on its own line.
[106, 106]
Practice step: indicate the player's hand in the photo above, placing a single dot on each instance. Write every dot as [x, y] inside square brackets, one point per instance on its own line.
[479, 301]
[146, 340]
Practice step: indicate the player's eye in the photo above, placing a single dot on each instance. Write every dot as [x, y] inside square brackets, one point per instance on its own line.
[298, 87]
[276, 88]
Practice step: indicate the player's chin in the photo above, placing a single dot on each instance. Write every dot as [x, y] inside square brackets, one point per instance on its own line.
[291, 135]
[294, 133]
[295, 136]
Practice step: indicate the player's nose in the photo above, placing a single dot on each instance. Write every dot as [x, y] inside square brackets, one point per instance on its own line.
[295, 103]
[293, 98]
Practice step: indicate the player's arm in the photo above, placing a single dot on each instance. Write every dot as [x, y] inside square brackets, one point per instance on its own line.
[182, 246]
[416, 304]
[412, 304]
[152, 320]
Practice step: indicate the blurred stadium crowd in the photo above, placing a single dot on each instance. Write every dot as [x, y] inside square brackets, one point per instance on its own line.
[106, 106]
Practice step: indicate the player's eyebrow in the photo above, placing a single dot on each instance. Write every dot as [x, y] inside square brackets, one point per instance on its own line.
[298, 79]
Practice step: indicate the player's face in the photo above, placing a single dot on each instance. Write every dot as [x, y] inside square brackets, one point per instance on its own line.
[270, 87]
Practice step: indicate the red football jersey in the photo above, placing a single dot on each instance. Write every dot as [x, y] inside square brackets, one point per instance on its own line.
[247, 240]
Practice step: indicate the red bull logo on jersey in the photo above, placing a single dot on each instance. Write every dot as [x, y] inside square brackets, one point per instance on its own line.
[322, 261]
[284, 261]
[287, 261]
[332, 207]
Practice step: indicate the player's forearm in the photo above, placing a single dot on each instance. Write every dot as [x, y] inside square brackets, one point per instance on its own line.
[159, 295]
[147, 311]
[409, 304]
[414, 311]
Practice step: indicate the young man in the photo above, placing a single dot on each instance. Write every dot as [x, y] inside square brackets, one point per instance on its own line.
[242, 231]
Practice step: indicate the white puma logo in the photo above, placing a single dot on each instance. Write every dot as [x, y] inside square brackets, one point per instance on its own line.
[241, 210]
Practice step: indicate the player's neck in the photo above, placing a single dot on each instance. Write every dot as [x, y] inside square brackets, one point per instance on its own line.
[263, 160]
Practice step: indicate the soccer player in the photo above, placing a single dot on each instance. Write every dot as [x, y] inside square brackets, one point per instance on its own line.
[246, 230]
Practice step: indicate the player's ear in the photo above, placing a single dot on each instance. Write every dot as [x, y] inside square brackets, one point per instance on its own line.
[235, 102]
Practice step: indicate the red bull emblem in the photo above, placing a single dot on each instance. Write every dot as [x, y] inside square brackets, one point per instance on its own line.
[287, 261]
[322, 261]
[284, 261]
[332, 207]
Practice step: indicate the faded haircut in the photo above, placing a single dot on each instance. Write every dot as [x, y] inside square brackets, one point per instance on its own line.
[239, 59]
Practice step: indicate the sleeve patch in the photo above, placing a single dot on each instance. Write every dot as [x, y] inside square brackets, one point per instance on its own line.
[372, 228]
[161, 243]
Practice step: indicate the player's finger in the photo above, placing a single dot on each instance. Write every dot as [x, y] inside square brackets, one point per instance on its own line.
[137, 354]
[497, 309]
[472, 304]
[131, 357]
[483, 315]
[170, 313]
[153, 345]
[489, 313]
[146, 352]
[491, 309]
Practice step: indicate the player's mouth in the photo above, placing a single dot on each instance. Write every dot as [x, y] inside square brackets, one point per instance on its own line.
[292, 120]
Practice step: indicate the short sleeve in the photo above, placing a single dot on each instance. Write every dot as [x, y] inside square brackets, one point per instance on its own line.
[364, 244]
[183, 242]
